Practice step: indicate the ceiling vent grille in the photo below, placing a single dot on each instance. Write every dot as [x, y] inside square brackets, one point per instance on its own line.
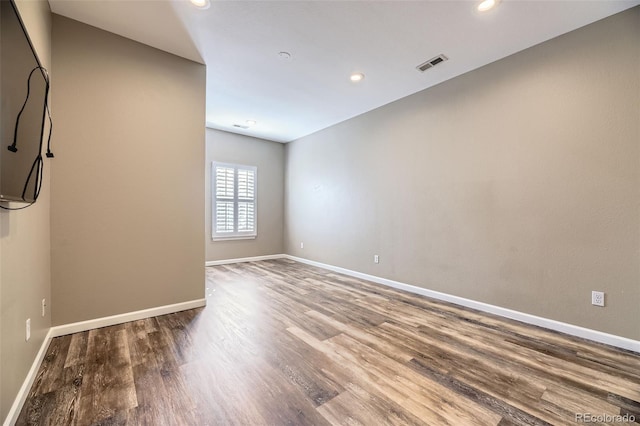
[431, 63]
[240, 126]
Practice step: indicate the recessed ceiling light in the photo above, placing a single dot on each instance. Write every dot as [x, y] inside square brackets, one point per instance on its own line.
[251, 122]
[201, 4]
[487, 5]
[357, 76]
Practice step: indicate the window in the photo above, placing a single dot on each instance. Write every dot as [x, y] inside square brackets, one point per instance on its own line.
[234, 201]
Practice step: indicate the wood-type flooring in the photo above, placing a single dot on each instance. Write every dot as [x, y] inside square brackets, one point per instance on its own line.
[283, 343]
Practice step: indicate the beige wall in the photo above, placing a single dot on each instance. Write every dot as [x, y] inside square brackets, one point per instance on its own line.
[127, 185]
[269, 158]
[25, 252]
[516, 184]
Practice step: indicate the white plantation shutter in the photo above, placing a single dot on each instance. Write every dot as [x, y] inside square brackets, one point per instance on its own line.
[224, 217]
[246, 184]
[224, 182]
[234, 201]
[246, 216]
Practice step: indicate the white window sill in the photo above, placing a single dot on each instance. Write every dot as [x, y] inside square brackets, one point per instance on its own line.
[235, 237]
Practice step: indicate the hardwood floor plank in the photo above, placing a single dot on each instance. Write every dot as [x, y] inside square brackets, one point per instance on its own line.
[358, 407]
[381, 345]
[298, 364]
[417, 388]
[152, 407]
[555, 401]
[491, 374]
[508, 412]
[289, 317]
[52, 408]
[345, 410]
[626, 405]
[77, 349]
[50, 376]
[108, 385]
[573, 372]
[346, 371]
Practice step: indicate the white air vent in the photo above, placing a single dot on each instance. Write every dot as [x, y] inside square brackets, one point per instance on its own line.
[240, 126]
[431, 63]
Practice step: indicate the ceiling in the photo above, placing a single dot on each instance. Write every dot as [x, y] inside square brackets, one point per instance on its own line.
[247, 78]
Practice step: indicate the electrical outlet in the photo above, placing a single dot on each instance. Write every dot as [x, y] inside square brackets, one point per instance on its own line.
[376, 258]
[301, 245]
[597, 298]
[44, 307]
[28, 331]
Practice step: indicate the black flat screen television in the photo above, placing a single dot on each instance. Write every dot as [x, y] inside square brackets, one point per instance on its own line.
[24, 88]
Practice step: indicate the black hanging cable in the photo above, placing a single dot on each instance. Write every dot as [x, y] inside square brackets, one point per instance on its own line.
[37, 167]
[46, 105]
[13, 147]
[38, 164]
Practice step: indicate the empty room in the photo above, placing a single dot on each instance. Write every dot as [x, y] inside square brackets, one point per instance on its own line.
[219, 212]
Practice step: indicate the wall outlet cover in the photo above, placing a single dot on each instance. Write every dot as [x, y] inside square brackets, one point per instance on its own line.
[597, 298]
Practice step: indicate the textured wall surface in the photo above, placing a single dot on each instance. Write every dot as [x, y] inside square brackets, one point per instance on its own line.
[128, 183]
[515, 184]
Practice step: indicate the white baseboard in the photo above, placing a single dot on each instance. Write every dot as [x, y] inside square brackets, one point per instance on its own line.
[16, 407]
[573, 330]
[77, 327]
[243, 259]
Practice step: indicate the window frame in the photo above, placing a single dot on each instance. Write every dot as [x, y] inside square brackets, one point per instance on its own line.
[235, 235]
